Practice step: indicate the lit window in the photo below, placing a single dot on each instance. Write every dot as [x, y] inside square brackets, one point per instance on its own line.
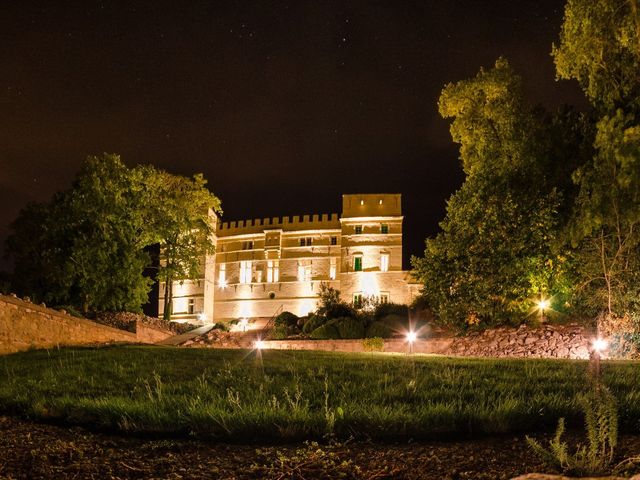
[273, 271]
[361, 202]
[334, 240]
[384, 228]
[357, 264]
[380, 202]
[245, 271]
[304, 271]
[357, 299]
[248, 245]
[384, 262]
[332, 268]
[358, 229]
[222, 275]
[190, 307]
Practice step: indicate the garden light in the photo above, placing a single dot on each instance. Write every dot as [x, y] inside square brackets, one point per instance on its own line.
[259, 344]
[599, 345]
[543, 304]
[411, 337]
[202, 317]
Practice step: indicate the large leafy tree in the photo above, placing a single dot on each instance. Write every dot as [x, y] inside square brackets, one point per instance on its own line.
[85, 247]
[494, 256]
[182, 219]
[600, 48]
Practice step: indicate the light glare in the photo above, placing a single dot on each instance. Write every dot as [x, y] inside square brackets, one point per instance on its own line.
[543, 304]
[599, 344]
[259, 344]
[411, 337]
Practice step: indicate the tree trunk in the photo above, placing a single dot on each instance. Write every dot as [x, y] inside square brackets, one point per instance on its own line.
[168, 298]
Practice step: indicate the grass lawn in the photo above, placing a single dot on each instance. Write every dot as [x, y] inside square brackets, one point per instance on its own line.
[231, 395]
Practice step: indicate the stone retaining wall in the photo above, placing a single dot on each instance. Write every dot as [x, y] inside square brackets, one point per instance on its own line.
[549, 341]
[571, 341]
[24, 325]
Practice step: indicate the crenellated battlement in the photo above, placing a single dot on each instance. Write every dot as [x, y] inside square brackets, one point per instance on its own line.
[286, 223]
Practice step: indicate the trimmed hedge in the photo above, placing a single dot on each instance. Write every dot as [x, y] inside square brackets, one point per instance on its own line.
[286, 319]
[350, 328]
[385, 309]
[328, 331]
[380, 330]
[313, 322]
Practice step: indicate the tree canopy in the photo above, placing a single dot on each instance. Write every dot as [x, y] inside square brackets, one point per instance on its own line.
[551, 202]
[86, 247]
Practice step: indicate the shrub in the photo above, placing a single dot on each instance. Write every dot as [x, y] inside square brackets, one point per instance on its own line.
[286, 319]
[374, 344]
[395, 322]
[379, 329]
[313, 322]
[328, 331]
[220, 326]
[279, 332]
[384, 309]
[330, 305]
[350, 328]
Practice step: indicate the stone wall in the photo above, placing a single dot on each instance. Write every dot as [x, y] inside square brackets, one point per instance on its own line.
[551, 341]
[24, 325]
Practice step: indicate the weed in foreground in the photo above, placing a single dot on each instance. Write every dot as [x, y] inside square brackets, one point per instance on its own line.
[601, 422]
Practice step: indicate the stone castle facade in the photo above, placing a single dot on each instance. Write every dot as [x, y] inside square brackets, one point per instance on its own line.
[268, 265]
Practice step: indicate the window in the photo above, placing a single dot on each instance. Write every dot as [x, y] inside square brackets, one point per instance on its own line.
[306, 242]
[357, 300]
[358, 229]
[384, 262]
[304, 271]
[273, 271]
[384, 228]
[332, 268]
[190, 307]
[334, 240]
[357, 263]
[245, 271]
[222, 275]
[384, 298]
[247, 245]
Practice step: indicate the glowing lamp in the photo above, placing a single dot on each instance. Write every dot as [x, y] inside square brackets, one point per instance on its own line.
[599, 344]
[543, 304]
[411, 337]
[202, 317]
[259, 344]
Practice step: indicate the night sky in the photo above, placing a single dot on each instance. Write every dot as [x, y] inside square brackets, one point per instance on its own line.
[283, 106]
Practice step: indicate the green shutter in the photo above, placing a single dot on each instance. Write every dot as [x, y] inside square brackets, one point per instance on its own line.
[357, 265]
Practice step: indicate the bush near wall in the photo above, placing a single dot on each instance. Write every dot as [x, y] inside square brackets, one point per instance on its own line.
[313, 322]
[350, 328]
[378, 329]
[328, 331]
[384, 309]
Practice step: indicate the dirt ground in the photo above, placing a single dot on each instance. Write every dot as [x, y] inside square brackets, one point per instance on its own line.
[39, 451]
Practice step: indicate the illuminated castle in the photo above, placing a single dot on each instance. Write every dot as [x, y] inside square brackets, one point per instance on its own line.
[267, 265]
